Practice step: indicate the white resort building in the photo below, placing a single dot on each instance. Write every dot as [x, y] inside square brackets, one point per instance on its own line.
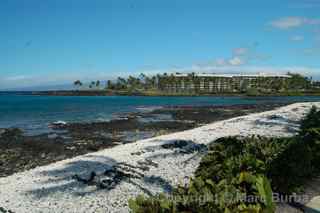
[217, 83]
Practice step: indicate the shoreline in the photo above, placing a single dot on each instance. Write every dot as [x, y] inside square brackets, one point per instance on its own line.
[21, 152]
[84, 93]
[166, 164]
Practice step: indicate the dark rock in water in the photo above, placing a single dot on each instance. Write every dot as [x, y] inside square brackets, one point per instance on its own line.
[11, 133]
[21, 152]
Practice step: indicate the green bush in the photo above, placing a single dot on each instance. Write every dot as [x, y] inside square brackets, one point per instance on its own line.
[291, 167]
[311, 120]
[253, 92]
[300, 159]
[312, 138]
[157, 204]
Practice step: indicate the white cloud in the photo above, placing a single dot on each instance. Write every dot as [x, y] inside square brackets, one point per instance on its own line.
[297, 38]
[236, 61]
[16, 78]
[286, 23]
[308, 71]
[240, 56]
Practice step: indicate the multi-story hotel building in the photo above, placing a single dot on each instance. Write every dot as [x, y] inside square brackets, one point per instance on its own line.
[216, 83]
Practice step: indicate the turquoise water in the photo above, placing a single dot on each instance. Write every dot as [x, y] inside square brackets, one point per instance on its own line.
[34, 113]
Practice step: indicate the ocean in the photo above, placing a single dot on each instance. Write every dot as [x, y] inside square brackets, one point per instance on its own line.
[33, 114]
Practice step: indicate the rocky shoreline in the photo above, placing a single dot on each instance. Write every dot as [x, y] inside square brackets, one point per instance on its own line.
[314, 92]
[104, 181]
[21, 152]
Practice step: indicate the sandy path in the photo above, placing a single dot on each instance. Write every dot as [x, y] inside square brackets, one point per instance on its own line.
[52, 189]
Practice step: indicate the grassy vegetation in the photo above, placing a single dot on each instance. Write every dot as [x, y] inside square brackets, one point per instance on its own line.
[240, 174]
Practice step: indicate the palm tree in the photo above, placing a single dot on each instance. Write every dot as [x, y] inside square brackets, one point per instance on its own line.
[121, 83]
[142, 77]
[133, 82]
[109, 85]
[158, 82]
[98, 84]
[154, 81]
[92, 84]
[298, 82]
[77, 83]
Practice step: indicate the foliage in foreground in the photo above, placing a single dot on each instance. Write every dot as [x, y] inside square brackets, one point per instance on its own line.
[239, 174]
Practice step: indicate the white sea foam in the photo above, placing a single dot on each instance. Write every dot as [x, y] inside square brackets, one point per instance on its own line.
[148, 108]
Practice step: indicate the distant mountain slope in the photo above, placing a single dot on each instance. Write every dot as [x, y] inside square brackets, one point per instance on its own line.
[53, 87]
[43, 88]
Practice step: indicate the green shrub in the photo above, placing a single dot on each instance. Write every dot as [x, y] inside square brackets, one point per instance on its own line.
[311, 120]
[253, 92]
[157, 204]
[291, 167]
[312, 138]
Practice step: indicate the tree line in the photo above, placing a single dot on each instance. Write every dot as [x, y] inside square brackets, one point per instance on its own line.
[143, 82]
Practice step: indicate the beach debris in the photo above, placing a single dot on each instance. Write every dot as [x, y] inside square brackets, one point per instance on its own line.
[11, 133]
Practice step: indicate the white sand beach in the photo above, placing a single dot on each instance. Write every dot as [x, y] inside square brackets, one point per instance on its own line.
[156, 168]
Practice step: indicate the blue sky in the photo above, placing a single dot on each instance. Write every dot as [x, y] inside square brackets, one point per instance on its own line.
[45, 42]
